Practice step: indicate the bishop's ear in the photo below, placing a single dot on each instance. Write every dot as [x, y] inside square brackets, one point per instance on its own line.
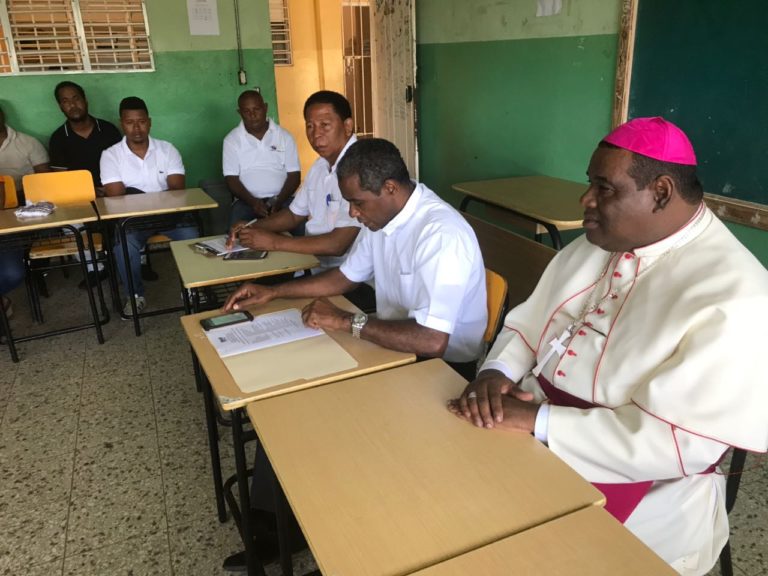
[663, 189]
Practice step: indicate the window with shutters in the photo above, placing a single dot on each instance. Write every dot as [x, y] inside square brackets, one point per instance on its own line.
[54, 36]
[281, 32]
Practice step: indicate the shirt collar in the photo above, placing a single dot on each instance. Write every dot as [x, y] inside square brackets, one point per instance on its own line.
[95, 120]
[352, 140]
[690, 230]
[129, 151]
[245, 134]
[406, 212]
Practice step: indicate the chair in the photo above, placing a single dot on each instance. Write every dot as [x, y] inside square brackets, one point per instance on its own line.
[61, 188]
[496, 288]
[738, 458]
[9, 185]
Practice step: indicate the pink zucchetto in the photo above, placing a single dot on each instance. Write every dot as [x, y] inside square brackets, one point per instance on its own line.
[656, 138]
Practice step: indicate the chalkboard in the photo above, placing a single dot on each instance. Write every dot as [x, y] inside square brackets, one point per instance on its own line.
[703, 64]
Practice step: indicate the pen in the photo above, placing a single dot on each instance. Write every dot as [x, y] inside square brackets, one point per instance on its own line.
[328, 200]
[236, 231]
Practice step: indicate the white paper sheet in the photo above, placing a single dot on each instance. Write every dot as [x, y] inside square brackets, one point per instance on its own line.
[548, 7]
[203, 17]
[263, 331]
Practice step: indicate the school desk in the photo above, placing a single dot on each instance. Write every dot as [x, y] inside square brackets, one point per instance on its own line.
[133, 210]
[547, 202]
[588, 542]
[384, 480]
[221, 387]
[21, 232]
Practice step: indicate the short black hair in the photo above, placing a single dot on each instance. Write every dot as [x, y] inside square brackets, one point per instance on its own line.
[340, 103]
[645, 170]
[373, 160]
[133, 103]
[249, 93]
[67, 84]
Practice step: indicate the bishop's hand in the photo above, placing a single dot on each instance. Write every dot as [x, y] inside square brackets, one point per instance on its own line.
[491, 400]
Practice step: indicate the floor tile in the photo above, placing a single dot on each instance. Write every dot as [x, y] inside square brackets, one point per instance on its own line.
[199, 548]
[52, 568]
[38, 536]
[116, 493]
[749, 536]
[27, 480]
[147, 556]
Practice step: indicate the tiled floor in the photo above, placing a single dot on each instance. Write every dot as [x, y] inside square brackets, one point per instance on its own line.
[104, 466]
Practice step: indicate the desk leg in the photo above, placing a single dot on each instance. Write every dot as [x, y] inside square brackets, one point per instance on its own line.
[464, 203]
[89, 288]
[6, 329]
[99, 290]
[109, 243]
[213, 445]
[554, 233]
[283, 531]
[130, 288]
[246, 530]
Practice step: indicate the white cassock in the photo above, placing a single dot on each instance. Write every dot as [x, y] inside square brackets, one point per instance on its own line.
[668, 344]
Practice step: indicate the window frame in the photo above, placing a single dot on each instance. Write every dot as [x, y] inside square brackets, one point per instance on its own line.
[89, 61]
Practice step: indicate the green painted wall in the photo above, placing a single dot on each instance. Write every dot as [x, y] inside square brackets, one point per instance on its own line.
[516, 102]
[191, 95]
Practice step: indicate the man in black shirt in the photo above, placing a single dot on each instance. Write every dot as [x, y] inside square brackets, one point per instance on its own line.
[77, 144]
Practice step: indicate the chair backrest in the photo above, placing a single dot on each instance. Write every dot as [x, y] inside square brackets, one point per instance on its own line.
[69, 187]
[517, 259]
[496, 287]
[9, 187]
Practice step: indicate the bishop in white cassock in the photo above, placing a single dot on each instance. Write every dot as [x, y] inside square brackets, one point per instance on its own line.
[638, 357]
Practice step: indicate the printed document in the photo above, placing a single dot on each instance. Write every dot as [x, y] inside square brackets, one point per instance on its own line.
[262, 332]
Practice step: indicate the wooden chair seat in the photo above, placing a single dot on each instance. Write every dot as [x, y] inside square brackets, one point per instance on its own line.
[62, 246]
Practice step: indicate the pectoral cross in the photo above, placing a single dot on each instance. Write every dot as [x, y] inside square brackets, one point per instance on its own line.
[557, 345]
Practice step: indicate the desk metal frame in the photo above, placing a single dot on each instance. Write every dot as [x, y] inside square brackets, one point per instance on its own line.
[26, 235]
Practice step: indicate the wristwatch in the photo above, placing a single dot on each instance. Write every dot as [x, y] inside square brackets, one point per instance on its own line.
[358, 323]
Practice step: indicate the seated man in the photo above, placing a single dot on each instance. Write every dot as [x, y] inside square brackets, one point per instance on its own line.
[638, 357]
[20, 154]
[260, 161]
[78, 143]
[423, 258]
[11, 268]
[329, 227]
[142, 164]
[421, 254]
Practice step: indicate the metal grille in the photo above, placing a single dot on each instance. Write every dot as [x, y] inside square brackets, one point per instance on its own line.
[51, 36]
[5, 57]
[281, 32]
[358, 74]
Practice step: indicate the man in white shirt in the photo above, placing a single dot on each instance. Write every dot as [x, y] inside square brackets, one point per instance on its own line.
[424, 260]
[421, 254]
[330, 230]
[20, 154]
[259, 160]
[638, 359]
[141, 164]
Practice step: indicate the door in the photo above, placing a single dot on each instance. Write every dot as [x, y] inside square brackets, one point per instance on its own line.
[394, 75]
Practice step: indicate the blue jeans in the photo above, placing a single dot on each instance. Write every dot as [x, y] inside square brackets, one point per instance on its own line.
[11, 270]
[136, 241]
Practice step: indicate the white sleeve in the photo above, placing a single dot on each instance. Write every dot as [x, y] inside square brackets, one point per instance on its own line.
[174, 163]
[37, 154]
[300, 203]
[230, 165]
[442, 270]
[358, 265]
[292, 163]
[109, 167]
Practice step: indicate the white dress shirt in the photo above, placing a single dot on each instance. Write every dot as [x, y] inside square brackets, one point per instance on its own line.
[319, 199]
[19, 154]
[262, 165]
[150, 174]
[426, 265]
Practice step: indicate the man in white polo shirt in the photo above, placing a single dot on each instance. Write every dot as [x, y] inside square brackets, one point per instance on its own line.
[20, 154]
[421, 254]
[139, 164]
[259, 160]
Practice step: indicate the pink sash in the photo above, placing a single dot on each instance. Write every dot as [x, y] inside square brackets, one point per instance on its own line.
[621, 499]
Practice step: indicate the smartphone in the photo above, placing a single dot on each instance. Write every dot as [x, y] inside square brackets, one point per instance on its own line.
[246, 255]
[226, 320]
